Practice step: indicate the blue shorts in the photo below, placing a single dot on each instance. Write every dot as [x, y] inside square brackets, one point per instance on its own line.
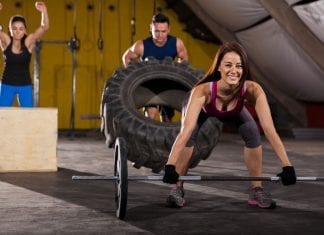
[24, 95]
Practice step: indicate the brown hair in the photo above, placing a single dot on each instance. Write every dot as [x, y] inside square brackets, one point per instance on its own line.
[17, 18]
[160, 18]
[213, 73]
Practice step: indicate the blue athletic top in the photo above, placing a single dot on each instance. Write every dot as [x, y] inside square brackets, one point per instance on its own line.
[16, 67]
[168, 49]
[211, 110]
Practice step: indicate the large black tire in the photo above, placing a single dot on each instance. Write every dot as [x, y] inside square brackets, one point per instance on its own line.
[152, 82]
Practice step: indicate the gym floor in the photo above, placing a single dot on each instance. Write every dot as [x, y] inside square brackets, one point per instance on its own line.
[51, 203]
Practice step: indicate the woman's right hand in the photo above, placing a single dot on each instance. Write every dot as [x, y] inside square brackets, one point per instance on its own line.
[170, 174]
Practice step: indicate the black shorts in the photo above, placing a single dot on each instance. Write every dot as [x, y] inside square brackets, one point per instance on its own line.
[245, 123]
[164, 110]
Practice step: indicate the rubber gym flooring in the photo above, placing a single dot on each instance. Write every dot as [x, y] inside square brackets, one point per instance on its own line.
[51, 203]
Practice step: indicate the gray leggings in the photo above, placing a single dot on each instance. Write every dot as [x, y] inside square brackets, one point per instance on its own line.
[243, 121]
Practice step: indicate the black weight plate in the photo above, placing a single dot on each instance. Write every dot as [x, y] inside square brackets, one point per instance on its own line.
[120, 171]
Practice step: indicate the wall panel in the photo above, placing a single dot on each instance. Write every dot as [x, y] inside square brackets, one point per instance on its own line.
[93, 65]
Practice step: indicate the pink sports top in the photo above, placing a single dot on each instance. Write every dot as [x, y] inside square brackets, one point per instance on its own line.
[211, 110]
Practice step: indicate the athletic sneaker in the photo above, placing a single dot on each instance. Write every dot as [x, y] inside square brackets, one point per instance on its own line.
[176, 197]
[258, 197]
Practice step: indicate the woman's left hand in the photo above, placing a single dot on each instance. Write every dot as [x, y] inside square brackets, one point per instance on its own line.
[288, 175]
[40, 6]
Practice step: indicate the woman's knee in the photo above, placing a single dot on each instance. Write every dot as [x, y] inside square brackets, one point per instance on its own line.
[250, 134]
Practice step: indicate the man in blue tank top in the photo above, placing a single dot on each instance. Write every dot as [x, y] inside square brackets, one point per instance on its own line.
[159, 45]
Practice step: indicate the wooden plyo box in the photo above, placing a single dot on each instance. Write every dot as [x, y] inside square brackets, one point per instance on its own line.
[28, 139]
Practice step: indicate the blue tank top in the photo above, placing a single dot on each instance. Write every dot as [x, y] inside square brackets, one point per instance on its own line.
[169, 49]
[211, 110]
[16, 67]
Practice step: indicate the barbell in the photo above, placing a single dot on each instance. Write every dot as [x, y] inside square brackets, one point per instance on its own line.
[195, 178]
[121, 177]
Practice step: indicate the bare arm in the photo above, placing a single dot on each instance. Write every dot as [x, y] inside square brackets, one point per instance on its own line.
[182, 52]
[44, 26]
[132, 53]
[4, 38]
[262, 109]
[189, 121]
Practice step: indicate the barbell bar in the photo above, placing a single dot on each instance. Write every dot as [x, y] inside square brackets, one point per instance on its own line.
[121, 183]
[120, 177]
[195, 178]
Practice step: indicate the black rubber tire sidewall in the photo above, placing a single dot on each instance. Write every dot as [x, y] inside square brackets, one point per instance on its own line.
[148, 141]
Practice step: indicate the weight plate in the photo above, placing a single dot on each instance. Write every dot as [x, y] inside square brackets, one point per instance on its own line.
[121, 183]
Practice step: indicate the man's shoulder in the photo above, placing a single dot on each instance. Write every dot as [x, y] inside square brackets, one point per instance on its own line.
[137, 45]
[171, 37]
[150, 38]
